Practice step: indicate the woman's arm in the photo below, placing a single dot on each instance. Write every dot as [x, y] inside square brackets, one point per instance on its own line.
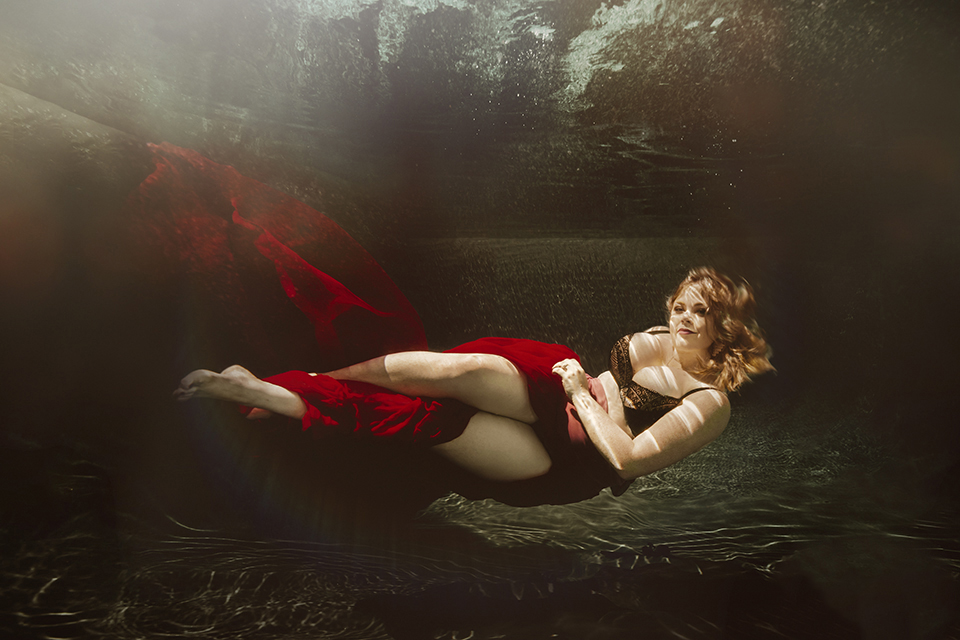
[699, 419]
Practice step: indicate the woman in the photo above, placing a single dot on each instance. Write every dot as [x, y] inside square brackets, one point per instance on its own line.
[522, 417]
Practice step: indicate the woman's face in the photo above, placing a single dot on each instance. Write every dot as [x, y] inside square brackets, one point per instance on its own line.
[691, 324]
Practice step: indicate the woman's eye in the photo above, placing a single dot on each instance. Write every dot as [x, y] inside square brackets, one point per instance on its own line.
[677, 310]
[701, 312]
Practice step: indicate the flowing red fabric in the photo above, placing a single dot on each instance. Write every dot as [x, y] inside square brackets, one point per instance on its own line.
[319, 296]
[205, 227]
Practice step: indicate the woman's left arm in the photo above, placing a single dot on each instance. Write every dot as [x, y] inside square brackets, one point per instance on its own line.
[696, 422]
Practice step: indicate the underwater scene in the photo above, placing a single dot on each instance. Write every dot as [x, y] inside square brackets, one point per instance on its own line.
[544, 169]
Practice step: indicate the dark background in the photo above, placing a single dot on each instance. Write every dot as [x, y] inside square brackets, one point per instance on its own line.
[544, 170]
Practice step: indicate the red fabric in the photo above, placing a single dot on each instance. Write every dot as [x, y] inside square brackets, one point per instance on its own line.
[577, 471]
[319, 296]
[366, 410]
[223, 238]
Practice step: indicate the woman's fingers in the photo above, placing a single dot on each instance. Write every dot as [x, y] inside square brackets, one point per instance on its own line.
[572, 375]
[566, 365]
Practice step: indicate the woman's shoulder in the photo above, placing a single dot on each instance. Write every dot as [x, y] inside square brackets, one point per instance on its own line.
[653, 333]
[659, 336]
[648, 347]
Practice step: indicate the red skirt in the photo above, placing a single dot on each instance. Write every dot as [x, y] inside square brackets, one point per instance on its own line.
[365, 410]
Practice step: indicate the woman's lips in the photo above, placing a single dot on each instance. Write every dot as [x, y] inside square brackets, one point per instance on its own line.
[684, 331]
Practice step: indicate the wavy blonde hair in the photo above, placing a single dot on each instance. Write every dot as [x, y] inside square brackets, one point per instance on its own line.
[739, 350]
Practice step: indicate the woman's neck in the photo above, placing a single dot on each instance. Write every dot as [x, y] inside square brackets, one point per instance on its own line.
[690, 361]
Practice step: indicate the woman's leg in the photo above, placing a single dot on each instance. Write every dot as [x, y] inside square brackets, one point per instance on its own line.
[497, 448]
[491, 446]
[488, 382]
[236, 384]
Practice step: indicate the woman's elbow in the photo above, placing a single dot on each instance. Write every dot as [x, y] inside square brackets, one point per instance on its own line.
[632, 467]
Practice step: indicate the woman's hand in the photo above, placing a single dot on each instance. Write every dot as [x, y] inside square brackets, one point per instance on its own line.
[573, 376]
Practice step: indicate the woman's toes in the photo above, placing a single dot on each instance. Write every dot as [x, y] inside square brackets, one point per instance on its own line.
[182, 394]
[200, 383]
[195, 379]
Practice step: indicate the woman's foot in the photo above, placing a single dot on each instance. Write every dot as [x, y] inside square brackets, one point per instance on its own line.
[236, 384]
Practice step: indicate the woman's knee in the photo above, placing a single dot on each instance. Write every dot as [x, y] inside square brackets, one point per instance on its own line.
[470, 367]
[485, 363]
[479, 372]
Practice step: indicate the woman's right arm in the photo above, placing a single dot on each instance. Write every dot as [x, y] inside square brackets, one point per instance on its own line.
[687, 428]
[698, 420]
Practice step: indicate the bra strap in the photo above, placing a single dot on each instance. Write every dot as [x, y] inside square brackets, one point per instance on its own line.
[695, 390]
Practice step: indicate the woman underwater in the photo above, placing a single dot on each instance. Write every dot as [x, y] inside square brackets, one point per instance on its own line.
[522, 417]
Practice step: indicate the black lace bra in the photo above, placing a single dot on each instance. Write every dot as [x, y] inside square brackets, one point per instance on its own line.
[641, 406]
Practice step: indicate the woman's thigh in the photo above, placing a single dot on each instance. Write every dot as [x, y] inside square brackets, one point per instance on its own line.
[497, 448]
[488, 382]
